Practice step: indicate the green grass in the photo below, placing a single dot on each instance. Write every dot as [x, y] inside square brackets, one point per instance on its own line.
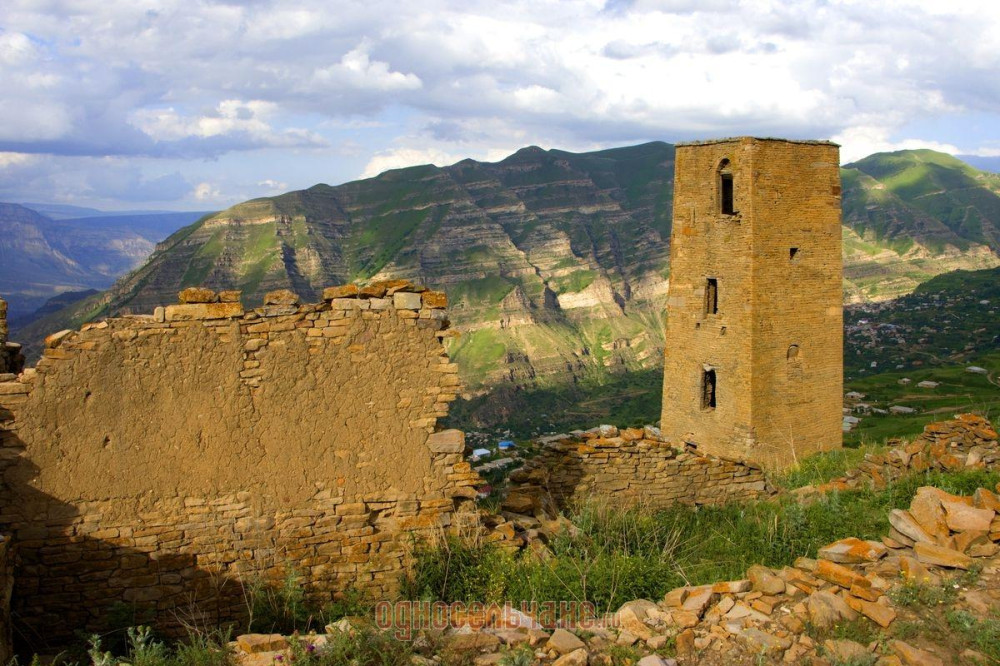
[630, 399]
[203, 261]
[488, 291]
[959, 391]
[620, 555]
[574, 282]
[826, 466]
[477, 352]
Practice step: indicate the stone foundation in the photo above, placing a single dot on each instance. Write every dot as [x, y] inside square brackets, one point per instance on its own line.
[164, 461]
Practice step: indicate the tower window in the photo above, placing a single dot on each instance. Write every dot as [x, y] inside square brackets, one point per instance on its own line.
[726, 196]
[792, 252]
[708, 388]
[712, 296]
[793, 353]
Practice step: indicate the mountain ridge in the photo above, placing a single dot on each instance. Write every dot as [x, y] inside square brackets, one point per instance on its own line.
[556, 263]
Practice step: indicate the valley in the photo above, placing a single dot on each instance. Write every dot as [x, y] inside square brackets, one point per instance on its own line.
[556, 266]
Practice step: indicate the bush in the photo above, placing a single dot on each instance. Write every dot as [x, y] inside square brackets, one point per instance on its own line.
[143, 649]
[279, 608]
[363, 646]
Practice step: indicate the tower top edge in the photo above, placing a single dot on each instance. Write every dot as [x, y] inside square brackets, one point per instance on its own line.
[756, 139]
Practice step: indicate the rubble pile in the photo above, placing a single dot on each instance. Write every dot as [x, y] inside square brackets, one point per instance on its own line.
[966, 441]
[788, 615]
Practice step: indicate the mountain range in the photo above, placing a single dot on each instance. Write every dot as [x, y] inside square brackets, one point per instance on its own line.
[52, 250]
[556, 264]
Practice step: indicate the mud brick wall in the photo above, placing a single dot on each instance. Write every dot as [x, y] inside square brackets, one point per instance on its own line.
[773, 335]
[632, 467]
[163, 461]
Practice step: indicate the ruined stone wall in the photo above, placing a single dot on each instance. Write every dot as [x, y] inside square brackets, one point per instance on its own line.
[775, 341]
[163, 461]
[11, 360]
[631, 467]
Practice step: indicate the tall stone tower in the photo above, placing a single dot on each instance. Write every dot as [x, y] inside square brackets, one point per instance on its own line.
[754, 336]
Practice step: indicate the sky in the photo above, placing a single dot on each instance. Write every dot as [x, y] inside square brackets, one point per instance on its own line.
[197, 105]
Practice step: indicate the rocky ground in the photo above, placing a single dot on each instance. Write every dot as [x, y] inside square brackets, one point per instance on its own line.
[927, 593]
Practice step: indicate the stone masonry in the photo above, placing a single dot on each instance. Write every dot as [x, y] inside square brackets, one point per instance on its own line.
[164, 461]
[11, 360]
[630, 467]
[754, 333]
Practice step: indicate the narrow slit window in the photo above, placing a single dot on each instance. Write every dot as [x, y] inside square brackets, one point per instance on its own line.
[726, 193]
[712, 296]
[792, 252]
[708, 389]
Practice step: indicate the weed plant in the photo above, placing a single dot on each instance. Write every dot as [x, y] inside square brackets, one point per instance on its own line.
[619, 555]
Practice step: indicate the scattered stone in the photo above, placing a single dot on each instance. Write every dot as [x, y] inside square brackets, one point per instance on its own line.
[912, 656]
[653, 660]
[838, 574]
[632, 617]
[906, 525]
[930, 553]
[826, 609]
[764, 580]
[961, 516]
[852, 551]
[254, 643]
[762, 640]
[845, 651]
[574, 658]
[675, 598]
[877, 613]
[564, 642]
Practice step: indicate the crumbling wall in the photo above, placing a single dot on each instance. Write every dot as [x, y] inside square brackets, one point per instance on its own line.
[164, 461]
[11, 360]
[631, 467]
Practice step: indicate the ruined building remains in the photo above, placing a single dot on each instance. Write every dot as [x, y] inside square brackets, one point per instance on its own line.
[164, 462]
[11, 360]
[754, 346]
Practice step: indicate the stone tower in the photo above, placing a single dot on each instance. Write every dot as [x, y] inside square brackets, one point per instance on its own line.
[754, 333]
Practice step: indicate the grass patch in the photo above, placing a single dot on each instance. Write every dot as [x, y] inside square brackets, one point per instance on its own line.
[826, 466]
[573, 282]
[620, 555]
[142, 648]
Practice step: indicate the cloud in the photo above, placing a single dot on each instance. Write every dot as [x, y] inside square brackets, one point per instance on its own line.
[249, 121]
[357, 70]
[207, 192]
[398, 158]
[437, 81]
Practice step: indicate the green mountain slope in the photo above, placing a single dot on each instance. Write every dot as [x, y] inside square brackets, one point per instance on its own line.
[556, 263]
[932, 211]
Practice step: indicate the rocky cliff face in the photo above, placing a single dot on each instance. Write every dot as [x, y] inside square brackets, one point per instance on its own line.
[41, 258]
[555, 263]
